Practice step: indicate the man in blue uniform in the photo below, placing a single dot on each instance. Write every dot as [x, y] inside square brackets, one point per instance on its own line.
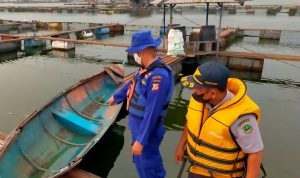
[148, 95]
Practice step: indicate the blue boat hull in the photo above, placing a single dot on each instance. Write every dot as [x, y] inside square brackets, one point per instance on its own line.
[102, 31]
[53, 139]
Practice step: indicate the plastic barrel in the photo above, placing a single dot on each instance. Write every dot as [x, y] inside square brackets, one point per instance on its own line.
[33, 43]
[116, 28]
[207, 33]
[102, 31]
[9, 47]
[195, 34]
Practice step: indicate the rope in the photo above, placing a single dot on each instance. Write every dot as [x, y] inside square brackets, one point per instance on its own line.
[132, 20]
[190, 20]
[293, 65]
[60, 139]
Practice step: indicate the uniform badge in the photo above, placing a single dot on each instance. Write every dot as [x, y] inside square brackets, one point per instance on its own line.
[247, 129]
[156, 78]
[155, 87]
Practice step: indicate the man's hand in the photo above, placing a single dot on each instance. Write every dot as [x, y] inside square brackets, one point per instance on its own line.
[137, 148]
[111, 101]
[179, 154]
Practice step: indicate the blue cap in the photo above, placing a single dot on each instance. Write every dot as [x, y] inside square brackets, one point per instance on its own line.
[141, 40]
[207, 75]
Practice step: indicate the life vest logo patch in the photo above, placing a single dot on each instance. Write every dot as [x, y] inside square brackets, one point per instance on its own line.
[247, 129]
[155, 87]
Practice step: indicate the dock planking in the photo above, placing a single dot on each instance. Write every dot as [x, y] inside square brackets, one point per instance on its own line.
[258, 55]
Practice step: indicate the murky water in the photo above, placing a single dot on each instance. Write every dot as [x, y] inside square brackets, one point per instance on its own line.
[28, 82]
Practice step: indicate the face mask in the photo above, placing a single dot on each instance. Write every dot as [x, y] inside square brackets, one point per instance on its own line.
[137, 58]
[202, 95]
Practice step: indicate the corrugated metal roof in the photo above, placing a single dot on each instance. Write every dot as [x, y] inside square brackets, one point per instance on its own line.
[201, 1]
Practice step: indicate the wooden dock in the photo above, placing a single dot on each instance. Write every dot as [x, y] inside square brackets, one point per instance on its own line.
[227, 33]
[258, 55]
[85, 41]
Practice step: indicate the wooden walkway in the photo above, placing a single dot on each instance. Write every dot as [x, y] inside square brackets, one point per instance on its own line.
[258, 55]
[86, 41]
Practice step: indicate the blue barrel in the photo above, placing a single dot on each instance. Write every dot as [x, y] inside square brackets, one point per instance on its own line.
[34, 43]
[102, 31]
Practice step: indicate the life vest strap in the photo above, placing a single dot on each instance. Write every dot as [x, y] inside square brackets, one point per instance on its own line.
[217, 170]
[213, 159]
[213, 147]
[131, 92]
[137, 107]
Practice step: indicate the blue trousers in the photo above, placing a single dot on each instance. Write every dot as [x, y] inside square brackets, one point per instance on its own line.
[150, 164]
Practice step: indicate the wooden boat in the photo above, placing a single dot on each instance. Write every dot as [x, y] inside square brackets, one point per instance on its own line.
[53, 139]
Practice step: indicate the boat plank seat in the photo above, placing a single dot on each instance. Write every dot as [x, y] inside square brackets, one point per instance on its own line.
[112, 75]
[76, 123]
[3, 137]
[227, 32]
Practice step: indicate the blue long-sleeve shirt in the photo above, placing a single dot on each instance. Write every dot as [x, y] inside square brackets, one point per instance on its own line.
[155, 87]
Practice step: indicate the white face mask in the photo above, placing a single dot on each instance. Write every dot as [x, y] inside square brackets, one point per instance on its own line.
[137, 58]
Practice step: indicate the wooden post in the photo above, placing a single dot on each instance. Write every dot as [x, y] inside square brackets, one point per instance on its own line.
[220, 29]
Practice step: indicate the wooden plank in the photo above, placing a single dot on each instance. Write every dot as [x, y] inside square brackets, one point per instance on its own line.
[104, 43]
[3, 137]
[258, 55]
[85, 41]
[227, 32]
[79, 30]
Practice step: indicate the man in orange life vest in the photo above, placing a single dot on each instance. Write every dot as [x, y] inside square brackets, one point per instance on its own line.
[221, 135]
[148, 95]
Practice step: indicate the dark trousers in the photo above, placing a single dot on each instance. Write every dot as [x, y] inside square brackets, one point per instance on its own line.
[149, 164]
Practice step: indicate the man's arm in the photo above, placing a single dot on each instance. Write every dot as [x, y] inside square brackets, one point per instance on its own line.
[121, 94]
[180, 149]
[253, 164]
[247, 134]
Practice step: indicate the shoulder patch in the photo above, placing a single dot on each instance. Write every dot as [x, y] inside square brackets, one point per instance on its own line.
[155, 87]
[156, 78]
[247, 129]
